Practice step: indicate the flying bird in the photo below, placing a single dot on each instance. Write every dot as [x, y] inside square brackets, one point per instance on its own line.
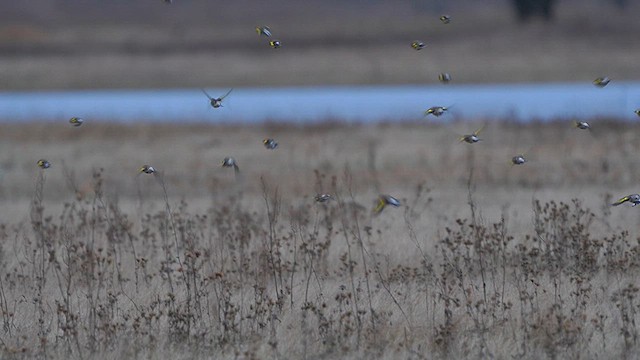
[383, 201]
[147, 169]
[321, 198]
[436, 110]
[418, 45]
[471, 138]
[518, 160]
[601, 81]
[582, 125]
[633, 198]
[44, 164]
[444, 78]
[445, 19]
[270, 144]
[76, 121]
[216, 102]
[230, 162]
[275, 44]
[263, 30]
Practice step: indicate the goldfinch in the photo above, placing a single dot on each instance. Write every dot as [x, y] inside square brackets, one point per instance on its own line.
[147, 169]
[44, 164]
[518, 160]
[76, 121]
[216, 102]
[471, 138]
[444, 78]
[436, 110]
[321, 198]
[445, 19]
[418, 45]
[633, 198]
[383, 201]
[270, 144]
[601, 81]
[582, 125]
[263, 30]
[275, 44]
[230, 162]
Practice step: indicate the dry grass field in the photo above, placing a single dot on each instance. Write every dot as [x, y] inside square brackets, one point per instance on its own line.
[482, 260]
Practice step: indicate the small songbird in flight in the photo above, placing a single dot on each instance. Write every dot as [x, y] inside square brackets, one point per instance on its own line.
[216, 102]
[582, 125]
[445, 19]
[263, 30]
[471, 138]
[44, 164]
[76, 121]
[633, 198]
[230, 162]
[518, 160]
[436, 110]
[321, 198]
[444, 78]
[601, 81]
[147, 169]
[418, 45]
[275, 44]
[270, 144]
[383, 201]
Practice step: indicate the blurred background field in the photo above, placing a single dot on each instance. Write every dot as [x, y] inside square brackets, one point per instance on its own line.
[61, 44]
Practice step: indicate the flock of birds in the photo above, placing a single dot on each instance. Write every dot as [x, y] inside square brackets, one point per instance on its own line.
[383, 200]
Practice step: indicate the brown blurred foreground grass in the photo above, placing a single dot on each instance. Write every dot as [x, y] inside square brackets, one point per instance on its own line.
[483, 259]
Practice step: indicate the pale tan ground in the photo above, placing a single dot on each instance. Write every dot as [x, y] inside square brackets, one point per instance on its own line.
[100, 278]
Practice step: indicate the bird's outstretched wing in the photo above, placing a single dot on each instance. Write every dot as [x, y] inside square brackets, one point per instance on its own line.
[621, 201]
[208, 96]
[227, 94]
[378, 209]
